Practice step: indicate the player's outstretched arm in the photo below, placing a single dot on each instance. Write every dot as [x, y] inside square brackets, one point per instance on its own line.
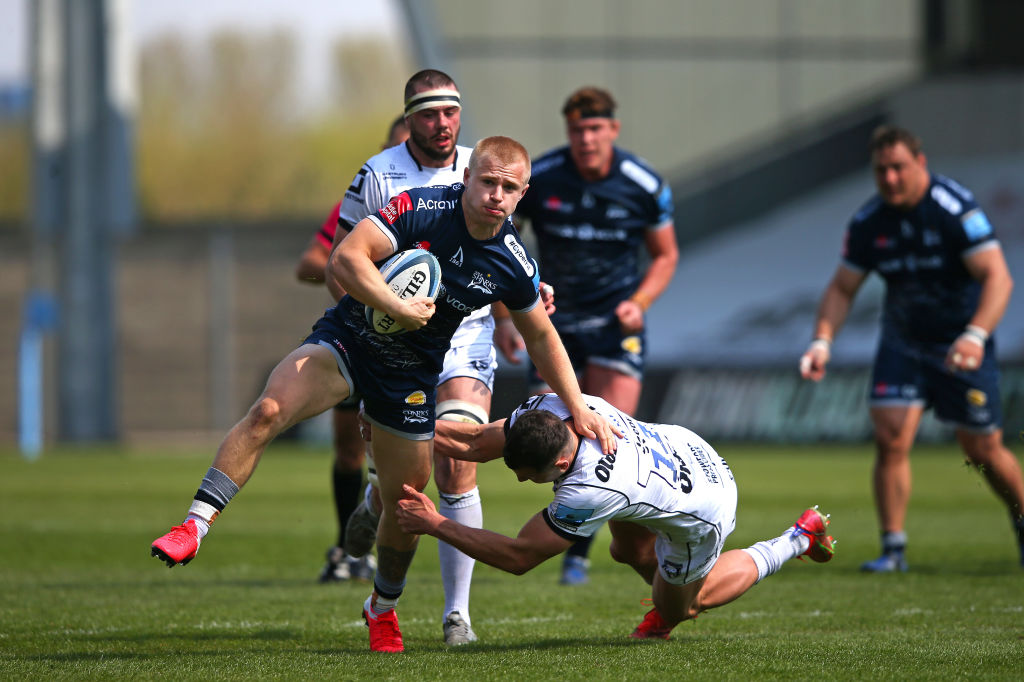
[535, 543]
[548, 354]
[469, 442]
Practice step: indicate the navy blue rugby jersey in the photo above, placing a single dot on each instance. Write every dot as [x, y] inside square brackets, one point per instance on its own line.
[930, 296]
[590, 234]
[473, 274]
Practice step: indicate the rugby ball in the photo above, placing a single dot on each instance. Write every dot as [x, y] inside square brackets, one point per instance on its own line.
[410, 273]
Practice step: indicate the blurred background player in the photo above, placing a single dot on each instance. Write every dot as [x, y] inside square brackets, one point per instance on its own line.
[947, 287]
[347, 470]
[431, 156]
[592, 206]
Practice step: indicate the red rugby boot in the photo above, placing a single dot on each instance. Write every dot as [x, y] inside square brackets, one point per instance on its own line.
[384, 633]
[814, 524]
[179, 546]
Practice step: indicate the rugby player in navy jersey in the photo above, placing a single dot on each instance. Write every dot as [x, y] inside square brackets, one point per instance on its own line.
[596, 209]
[467, 227]
[348, 446]
[947, 287]
[669, 500]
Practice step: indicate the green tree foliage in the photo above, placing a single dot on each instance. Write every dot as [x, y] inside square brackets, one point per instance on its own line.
[14, 170]
[220, 133]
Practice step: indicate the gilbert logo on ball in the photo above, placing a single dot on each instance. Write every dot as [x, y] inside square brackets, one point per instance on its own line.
[410, 273]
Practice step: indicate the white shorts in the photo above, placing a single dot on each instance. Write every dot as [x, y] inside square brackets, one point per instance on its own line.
[692, 556]
[472, 354]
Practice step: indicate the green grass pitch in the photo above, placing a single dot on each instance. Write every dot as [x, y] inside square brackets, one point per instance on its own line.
[82, 599]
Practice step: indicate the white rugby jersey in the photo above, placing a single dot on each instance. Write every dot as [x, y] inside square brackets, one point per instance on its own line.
[391, 172]
[663, 477]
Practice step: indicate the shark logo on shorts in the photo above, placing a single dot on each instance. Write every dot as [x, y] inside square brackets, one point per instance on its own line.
[414, 417]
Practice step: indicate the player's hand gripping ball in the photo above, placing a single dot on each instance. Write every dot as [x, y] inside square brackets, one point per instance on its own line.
[410, 273]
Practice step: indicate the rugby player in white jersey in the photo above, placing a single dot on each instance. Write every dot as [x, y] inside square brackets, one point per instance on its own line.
[431, 156]
[669, 500]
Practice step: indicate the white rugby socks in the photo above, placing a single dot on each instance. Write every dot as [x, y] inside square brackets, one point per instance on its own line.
[769, 555]
[456, 567]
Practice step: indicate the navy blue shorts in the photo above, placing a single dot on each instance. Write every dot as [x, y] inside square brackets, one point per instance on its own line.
[907, 374]
[399, 401]
[597, 340]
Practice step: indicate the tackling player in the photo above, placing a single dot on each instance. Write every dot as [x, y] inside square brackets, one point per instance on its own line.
[669, 500]
[947, 287]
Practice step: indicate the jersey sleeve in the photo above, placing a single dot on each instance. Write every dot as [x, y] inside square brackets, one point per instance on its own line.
[578, 511]
[397, 220]
[526, 293]
[363, 198]
[856, 253]
[665, 208]
[972, 231]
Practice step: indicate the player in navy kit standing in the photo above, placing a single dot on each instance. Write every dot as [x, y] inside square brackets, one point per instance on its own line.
[947, 287]
[467, 227]
[594, 208]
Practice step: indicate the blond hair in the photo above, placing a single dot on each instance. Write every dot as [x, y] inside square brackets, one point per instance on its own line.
[504, 150]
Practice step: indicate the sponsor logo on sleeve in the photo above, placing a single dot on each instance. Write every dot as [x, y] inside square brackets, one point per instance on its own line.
[569, 517]
[396, 207]
[976, 225]
[520, 253]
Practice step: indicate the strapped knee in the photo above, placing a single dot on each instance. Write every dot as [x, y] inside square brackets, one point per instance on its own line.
[461, 411]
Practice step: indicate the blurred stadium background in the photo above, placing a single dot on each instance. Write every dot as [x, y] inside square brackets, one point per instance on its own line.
[155, 193]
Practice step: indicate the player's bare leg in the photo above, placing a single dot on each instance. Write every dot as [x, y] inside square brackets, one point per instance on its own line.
[459, 399]
[1002, 471]
[303, 384]
[895, 430]
[1000, 468]
[733, 574]
[399, 461]
[621, 390]
[634, 545]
